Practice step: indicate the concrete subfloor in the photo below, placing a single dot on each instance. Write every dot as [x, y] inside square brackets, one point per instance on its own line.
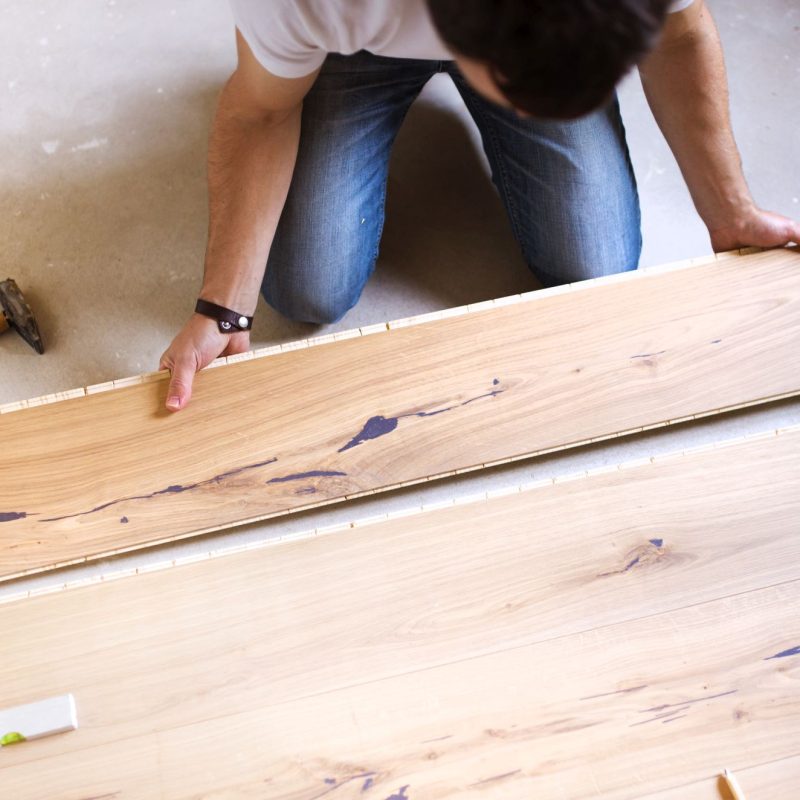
[105, 108]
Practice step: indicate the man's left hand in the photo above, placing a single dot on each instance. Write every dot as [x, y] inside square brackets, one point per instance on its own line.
[757, 229]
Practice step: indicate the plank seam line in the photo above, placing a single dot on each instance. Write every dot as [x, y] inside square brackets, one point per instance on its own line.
[419, 319]
[551, 639]
[738, 767]
[501, 650]
[411, 511]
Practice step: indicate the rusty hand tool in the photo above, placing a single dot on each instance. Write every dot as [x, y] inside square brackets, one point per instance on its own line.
[17, 315]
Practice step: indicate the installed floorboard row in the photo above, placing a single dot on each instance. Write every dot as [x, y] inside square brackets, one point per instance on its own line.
[112, 472]
[616, 713]
[526, 636]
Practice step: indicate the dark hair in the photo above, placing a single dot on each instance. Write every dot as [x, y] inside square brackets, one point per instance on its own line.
[556, 59]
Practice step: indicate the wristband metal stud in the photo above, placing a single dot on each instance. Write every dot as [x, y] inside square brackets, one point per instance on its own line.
[228, 321]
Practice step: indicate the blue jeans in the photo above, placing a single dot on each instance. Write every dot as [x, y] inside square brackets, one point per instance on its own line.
[568, 187]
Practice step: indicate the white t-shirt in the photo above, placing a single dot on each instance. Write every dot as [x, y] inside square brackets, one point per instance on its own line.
[291, 38]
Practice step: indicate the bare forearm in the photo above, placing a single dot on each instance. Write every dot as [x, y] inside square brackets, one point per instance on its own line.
[686, 86]
[251, 159]
[250, 164]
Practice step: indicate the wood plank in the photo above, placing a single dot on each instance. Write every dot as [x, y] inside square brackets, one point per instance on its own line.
[346, 653]
[109, 472]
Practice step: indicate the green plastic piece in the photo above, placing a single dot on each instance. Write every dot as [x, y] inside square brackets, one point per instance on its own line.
[11, 738]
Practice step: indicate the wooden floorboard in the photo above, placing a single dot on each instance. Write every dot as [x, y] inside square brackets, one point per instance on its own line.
[524, 636]
[112, 471]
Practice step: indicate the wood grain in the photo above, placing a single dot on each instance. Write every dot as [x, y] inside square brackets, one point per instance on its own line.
[111, 472]
[614, 636]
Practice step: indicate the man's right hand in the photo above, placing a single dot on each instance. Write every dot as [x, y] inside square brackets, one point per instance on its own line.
[197, 344]
[251, 158]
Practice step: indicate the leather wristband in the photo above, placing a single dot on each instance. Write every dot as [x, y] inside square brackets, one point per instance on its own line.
[227, 321]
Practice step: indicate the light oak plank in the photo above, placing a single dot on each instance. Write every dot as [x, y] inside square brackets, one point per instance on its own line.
[237, 640]
[110, 472]
[382, 327]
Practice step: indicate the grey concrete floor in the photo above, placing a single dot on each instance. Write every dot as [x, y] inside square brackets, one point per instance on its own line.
[104, 113]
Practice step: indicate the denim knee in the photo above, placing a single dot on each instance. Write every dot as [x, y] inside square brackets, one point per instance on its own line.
[320, 294]
[580, 256]
[311, 307]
